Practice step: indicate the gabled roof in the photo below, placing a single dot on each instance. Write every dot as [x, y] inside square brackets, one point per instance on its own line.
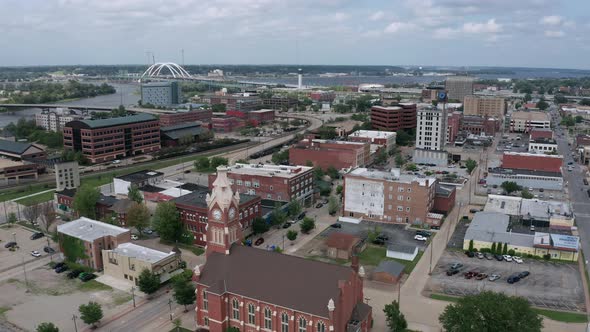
[14, 147]
[341, 241]
[182, 130]
[261, 275]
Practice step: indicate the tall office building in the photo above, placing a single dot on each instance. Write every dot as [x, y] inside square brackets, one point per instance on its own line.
[431, 133]
[67, 175]
[161, 94]
[459, 86]
[485, 106]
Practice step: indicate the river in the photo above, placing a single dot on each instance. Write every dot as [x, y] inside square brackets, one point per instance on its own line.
[129, 93]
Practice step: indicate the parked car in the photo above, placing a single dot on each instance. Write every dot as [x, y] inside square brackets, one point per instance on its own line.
[532, 228]
[37, 235]
[456, 266]
[35, 253]
[134, 237]
[336, 225]
[319, 205]
[420, 238]
[470, 254]
[10, 244]
[301, 216]
[494, 277]
[383, 237]
[61, 269]
[507, 258]
[60, 264]
[523, 274]
[451, 272]
[148, 231]
[488, 256]
[585, 182]
[481, 276]
[259, 241]
[513, 278]
[473, 210]
[86, 276]
[74, 274]
[499, 258]
[287, 224]
[423, 233]
[470, 274]
[378, 241]
[480, 255]
[517, 259]
[48, 250]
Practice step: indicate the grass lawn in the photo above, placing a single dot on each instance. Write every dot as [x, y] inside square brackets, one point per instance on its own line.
[93, 285]
[373, 255]
[560, 316]
[33, 200]
[444, 297]
[3, 310]
[194, 249]
[180, 329]
[10, 194]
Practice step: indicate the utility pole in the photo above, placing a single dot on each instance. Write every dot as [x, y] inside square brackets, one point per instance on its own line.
[133, 295]
[25, 270]
[430, 267]
[49, 246]
[5, 212]
[399, 292]
[75, 325]
[170, 305]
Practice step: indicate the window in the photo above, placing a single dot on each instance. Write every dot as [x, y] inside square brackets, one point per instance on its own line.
[302, 324]
[407, 209]
[235, 305]
[400, 208]
[239, 182]
[267, 319]
[205, 301]
[206, 321]
[284, 322]
[321, 327]
[251, 316]
[400, 189]
[400, 197]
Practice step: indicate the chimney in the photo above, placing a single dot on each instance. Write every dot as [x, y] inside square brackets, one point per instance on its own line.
[331, 308]
[196, 273]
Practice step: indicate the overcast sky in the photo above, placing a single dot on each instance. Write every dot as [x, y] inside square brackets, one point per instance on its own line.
[528, 33]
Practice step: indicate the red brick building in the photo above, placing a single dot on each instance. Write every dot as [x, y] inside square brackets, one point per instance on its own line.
[96, 236]
[16, 170]
[274, 182]
[326, 96]
[454, 125]
[477, 125]
[110, 139]
[239, 102]
[194, 215]
[65, 203]
[324, 153]
[261, 116]
[537, 133]
[244, 287]
[179, 117]
[444, 199]
[395, 117]
[532, 161]
[227, 124]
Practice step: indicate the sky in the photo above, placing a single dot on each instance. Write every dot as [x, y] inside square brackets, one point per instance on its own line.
[522, 33]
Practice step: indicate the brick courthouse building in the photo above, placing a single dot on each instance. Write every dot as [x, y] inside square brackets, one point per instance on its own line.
[247, 288]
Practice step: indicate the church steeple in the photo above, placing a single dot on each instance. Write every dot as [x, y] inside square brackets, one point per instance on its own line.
[223, 225]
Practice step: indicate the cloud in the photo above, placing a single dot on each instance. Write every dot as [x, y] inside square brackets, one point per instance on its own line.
[488, 27]
[376, 16]
[553, 20]
[554, 33]
[395, 27]
[445, 33]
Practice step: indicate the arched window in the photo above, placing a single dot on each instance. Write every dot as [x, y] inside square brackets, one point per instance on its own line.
[235, 305]
[321, 327]
[251, 315]
[302, 324]
[284, 322]
[267, 318]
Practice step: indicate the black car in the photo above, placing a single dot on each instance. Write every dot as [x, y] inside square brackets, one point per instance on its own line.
[423, 233]
[287, 225]
[37, 235]
[74, 274]
[88, 276]
[451, 272]
[470, 254]
[336, 225]
[523, 274]
[513, 278]
[499, 258]
[301, 216]
[383, 237]
[48, 250]
[319, 205]
[10, 244]
[61, 268]
[379, 241]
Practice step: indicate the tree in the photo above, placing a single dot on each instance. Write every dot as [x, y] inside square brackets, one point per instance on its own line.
[177, 322]
[505, 249]
[218, 108]
[470, 245]
[510, 186]
[85, 201]
[184, 292]
[327, 132]
[411, 167]
[332, 205]
[90, 313]
[542, 104]
[291, 235]
[167, 222]
[31, 213]
[399, 160]
[394, 317]
[526, 194]
[307, 225]
[218, 161]
[294, 208]
[403, 138]
[568, 121]
[560, 99]
[584, 101]
[278, 216]
[527, 97]
[471, 165]
[138, 216]
[48, 215]
[373, 233]
[259, 226]
[73, 248]
[148, 282]
[134, 194]
[339, 189]
[490, 311]
[47, 327]
[333, 172]
[579, 119]
[381, 157]
[12, 218]
[493, 250]
[232, 329]
[202, 164]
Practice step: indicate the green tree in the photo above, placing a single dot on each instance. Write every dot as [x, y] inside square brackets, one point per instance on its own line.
[470, 245]
[505, 249]
[326, 132]
[291, 235]
[138, 216]
[404, 138]
[510, 186]
[526, 194]
[278, 216]
[339, 189]
[412, 167]
[90, 313]
[399, 160]
[73, 248]
[167, 222]
[373, 233]
[134, 194]
[12, 218]
[579, 119]
[561, 99]
[381, 157]
[148, 282]
[218, 108]
[232, 329]
[307, 225]
[85, 201]
[568, 121]
[333, 205]
[177, 323]
[259, 226]
[47, 327]
[333, 173]
[542, 104]
[396, 322]
[493, 250]
[527, 97]
[471, 165]
[218, 161]
[584, 101]
[184, 292]
[202, 164]
[294, 208]
[490, 311]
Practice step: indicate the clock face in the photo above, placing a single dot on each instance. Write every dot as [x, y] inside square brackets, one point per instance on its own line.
[232, 213]
[217, 214]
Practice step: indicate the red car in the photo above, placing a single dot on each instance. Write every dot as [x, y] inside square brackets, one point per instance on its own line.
[259, 241]
[470, 274]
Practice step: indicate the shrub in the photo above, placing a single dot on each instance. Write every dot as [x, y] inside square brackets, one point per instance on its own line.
[547, 257]
[511, 252]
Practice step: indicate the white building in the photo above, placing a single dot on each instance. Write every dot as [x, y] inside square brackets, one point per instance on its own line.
[543, 145]
[525, 121]
[431, 131]
[67, 176]
[122, 183]
[54, 120]
[386, 138]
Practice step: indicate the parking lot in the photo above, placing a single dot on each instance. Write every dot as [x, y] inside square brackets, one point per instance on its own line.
[550, 285]
[9, 259]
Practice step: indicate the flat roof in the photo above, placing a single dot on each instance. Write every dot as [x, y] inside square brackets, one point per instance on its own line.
[493, 227]
[142, 253]
[373, 134]
[391, 267]
[140, 175]
[402, 248]
[530, 115]
[9, 163]
[532, 154]
[87, 229]
[268, 170]
[543, 140]
[393, 175]
[513, 171]
[509, 205]
[110, 122]
[262, 111]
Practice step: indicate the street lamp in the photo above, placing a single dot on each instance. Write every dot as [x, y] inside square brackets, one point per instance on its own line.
[14, 236]
[75, 325]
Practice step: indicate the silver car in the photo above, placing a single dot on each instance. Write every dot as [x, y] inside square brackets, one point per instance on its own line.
[494, 277]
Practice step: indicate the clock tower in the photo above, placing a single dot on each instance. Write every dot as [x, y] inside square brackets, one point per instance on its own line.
[223, 225]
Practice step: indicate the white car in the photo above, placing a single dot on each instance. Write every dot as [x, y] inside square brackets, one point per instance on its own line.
[420, 238]
[507, 258]
[517, 259]
[35, 253]
[148, 231]
[134, 237]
